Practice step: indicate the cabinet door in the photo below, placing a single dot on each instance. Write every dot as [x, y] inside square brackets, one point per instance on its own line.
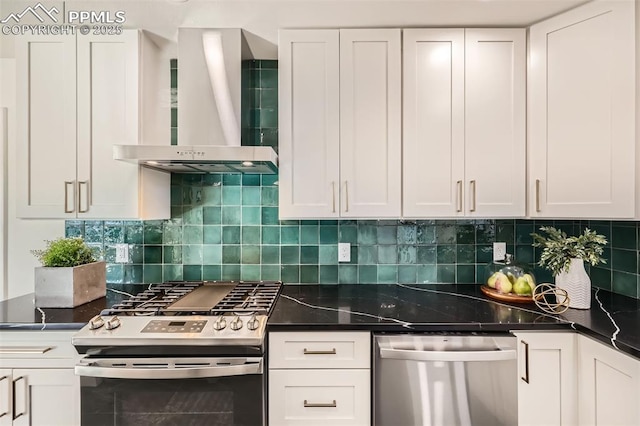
[370, 117]
[319, 397]
[108, 114]
[582, 113]
[6, 413]
[46, 126]
[433, 122]
[547, 378]
[309, 90]
[46, 397]
[495, 163]
[609, 385]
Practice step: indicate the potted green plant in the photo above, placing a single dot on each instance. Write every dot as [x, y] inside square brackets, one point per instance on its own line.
[70, 274]
[565, 255]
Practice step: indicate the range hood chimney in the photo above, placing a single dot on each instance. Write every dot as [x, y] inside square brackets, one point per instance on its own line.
[209, 106]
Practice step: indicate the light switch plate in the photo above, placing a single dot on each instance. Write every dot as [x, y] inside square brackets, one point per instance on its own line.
[499, 251]
[344, 252]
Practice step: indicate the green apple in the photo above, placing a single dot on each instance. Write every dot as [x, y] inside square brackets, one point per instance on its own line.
[522, 287]
[491, 282]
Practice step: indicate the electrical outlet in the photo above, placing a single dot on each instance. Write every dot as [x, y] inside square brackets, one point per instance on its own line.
[499, 251]
[344, 252]
[122, 253]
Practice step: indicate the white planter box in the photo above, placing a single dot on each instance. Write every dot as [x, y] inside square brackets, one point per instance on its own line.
[70, 287]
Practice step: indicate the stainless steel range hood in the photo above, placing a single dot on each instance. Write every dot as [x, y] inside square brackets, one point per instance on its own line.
[209, 106]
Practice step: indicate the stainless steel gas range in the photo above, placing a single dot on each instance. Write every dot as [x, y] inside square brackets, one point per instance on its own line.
[178, 353]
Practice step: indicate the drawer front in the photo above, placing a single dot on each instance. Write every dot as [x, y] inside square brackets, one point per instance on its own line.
[320, 350]
[319, 397]
[25, 349]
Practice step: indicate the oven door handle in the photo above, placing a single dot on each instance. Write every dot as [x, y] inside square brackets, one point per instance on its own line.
[447, 356]
[172, 372]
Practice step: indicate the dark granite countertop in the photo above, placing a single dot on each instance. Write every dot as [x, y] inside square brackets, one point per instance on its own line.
[612, 319]
[20, 313]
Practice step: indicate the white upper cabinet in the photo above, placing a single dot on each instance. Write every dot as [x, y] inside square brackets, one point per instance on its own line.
[464, 123]
[309, 140]
[370, 123]
[340, 112]
[433, 122]
[78, 96]
[582, 113]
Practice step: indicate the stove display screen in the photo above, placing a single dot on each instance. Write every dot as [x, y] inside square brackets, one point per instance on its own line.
[177, 323]
[166, 326]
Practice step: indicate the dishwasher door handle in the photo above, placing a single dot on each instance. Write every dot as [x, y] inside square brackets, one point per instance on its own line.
[446, 356]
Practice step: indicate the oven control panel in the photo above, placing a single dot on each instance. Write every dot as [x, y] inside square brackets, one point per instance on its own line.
[174, 326]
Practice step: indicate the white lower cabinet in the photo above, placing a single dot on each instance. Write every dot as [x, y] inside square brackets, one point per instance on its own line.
[547, 393]
[37, 382]
[609, 385]
[319, 378]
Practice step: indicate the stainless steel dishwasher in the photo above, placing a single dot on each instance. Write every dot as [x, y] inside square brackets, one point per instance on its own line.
[438, 379]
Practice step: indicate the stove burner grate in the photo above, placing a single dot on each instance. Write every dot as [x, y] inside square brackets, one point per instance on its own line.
[244, 298]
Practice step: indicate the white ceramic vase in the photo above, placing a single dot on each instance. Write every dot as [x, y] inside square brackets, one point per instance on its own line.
[577, 283]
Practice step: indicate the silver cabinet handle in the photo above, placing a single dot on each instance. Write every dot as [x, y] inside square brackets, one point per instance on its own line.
[403, 354]
[66, 196]
[3, 378]
[308, 352]
[23, 412]
[13, 350]
[346, 194]
[331, 404]
[537, 195]
[525, 378]
[333, 199]
[472, 185]
[459, 196]
[86, 185]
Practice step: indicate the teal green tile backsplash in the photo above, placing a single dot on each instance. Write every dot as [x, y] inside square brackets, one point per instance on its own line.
[226, 227]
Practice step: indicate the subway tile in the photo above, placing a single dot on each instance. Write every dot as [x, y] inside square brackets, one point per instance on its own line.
[74, 228]
[270, 255]
[465, 274]
[250, 272]
[465, 234]
[446, 233]
[485, 233]
[212, 195]
[600, 278]
[290, 274]
[290, 234]
[152, 274]
[269, 196]
[465, 253]
[328, 234]
[136, 254]
[230, 254]
[172, 272]
[524, 229]
[250, 254]
[231, 215]
[212, 272]
[94, 231]
[172, 234]
[407, 274]
[625, 284]
[113, 231]
[212, 254]
[192, 215]
[268, 180]
[309, 234]
[524, 253]
[192, 272]
[309, 274]
[387, 234]
[426, 274]
[232, 195]
[387, 254]
[250, 196]
[250, 235]
[133, 274]
[250, 180]
[290, 255]
[231, 179]
[172, 254]
[270, 235]
[329, 274]
[269, 98]
[192, 234]
[426, 234]
[231, 272]
[387, 274]
[152, 254]
[230, 235]
[624, 260]
[212, 234]
[446, 253]
[268, 118]
[367, 234]
[348, 234]
[446, 273]
[269, 215]
[212, 215]
[407, 255]
[426, 254]
[368, 274]
[115, 274]
[270, 272]
[623, 237]
[251, 215]
[407, 234]
[347, 274]
[191, 254]
[505, 231]
[309, 255]
[328, 254]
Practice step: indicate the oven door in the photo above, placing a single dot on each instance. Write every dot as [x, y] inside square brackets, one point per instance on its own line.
[172, 391]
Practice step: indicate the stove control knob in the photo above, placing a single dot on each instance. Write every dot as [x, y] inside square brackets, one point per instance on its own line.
[253, 323]
[113, 323]
[220, 324]
[236, 324]
[96, 322]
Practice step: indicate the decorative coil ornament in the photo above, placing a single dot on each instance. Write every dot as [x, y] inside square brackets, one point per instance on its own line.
[550, 298]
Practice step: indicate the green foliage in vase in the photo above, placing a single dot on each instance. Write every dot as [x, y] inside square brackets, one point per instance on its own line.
[558, 249]
[65, 252]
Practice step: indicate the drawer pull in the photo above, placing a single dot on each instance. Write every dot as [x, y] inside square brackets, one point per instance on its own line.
[6, 411]
[10, 350]
[331, 404]
[308, 352]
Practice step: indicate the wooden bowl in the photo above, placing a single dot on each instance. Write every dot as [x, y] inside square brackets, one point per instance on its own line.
[505, 297]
